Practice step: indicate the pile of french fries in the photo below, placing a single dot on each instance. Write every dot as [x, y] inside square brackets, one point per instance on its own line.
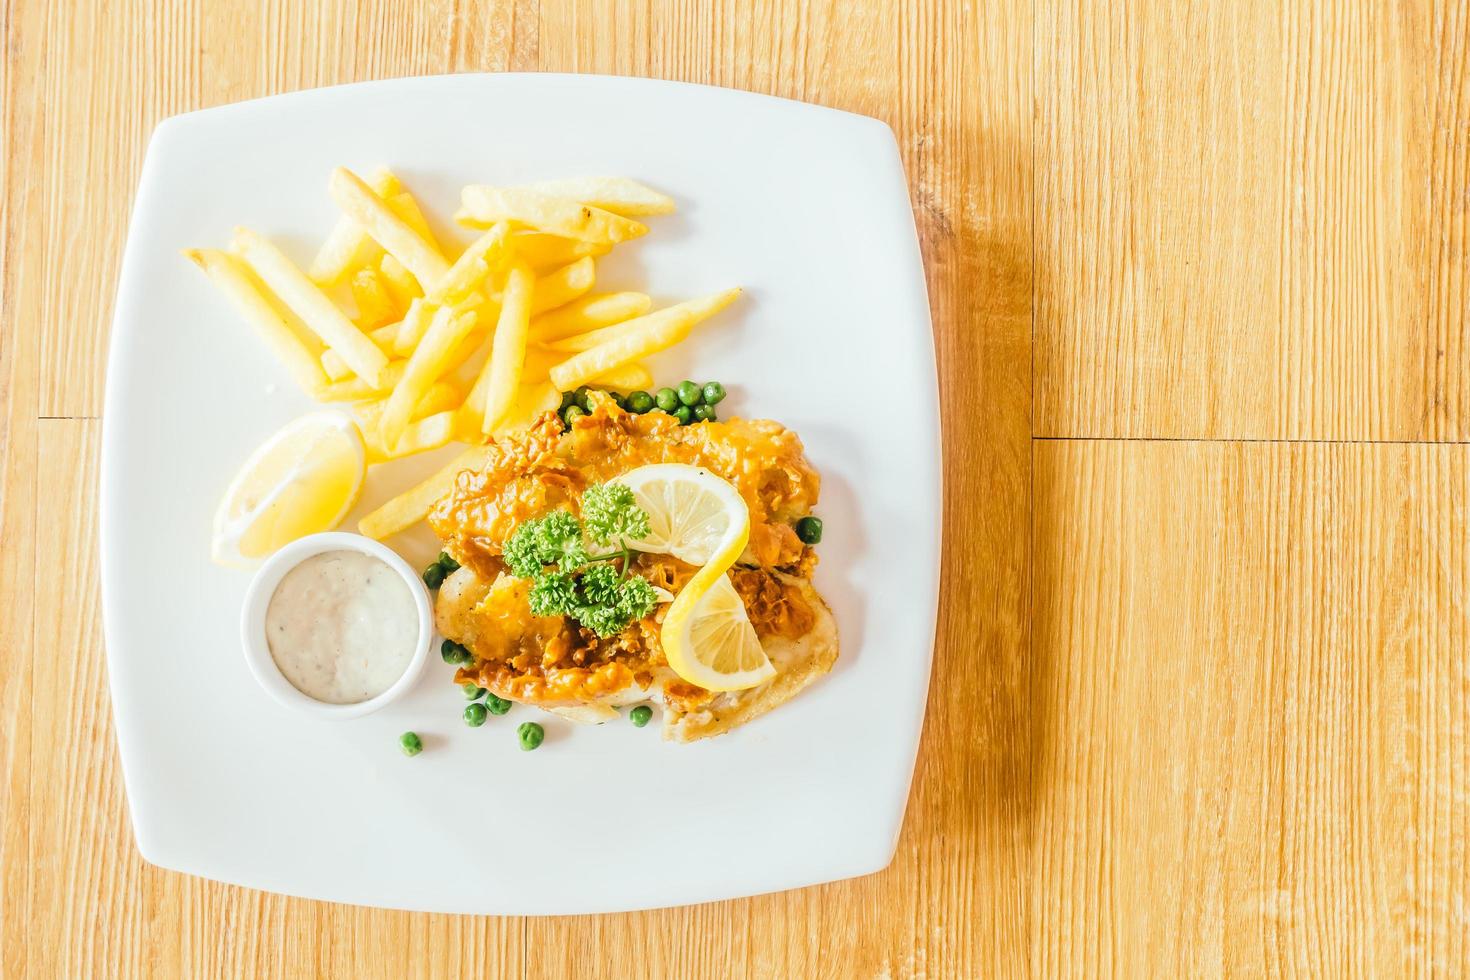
[431, 349]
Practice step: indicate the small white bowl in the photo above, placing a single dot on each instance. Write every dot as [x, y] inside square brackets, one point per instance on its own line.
[263, 586]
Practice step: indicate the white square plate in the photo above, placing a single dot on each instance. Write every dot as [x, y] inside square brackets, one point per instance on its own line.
[805, 207]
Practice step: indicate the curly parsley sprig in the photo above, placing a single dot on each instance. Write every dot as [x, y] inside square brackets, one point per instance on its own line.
[567, 580]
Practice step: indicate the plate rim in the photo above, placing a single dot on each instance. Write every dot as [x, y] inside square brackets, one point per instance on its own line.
[532, 77]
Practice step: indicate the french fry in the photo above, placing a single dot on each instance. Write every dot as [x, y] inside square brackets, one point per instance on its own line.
[628, 377]
[544, 252]
[430, 360]
[490, 309]
[577, 343]
[472, 266]
[402, 286]
[348, 246]
[564, 285]
[229, 276]
[538, 364]
[554, 215]
[501, 375]
[620, 195]
[472, 412]
[337, 368]
[474, 350]
[427, 433]
[443, 395]
[356, 389]
[375, 306]
[414, 504]
[371, 412]
[398, 238]
[639, 338]
[411, 328]
[406, 206]
[540, 361]
[307, 301]
[531, 401]
[587, 314]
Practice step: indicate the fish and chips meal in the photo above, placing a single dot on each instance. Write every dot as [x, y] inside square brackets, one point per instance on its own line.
[607, 543]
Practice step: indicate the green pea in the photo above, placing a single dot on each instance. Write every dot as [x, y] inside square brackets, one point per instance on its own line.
[640, 402]
[447, 563]
[582, 398]
[714, 392]
[434, 575]
[474, 714]
[530, 734]
[809, 529]
[497, 704]
[473, 692]
[568, 399]
[705, 413]
[410, 743]
[684, 414]
[618, 399]
[690, 393]
[454, 653]
[639, 716]
[666, 399]
[572, 414]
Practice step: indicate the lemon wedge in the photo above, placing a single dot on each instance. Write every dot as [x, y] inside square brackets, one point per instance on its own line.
[700, 518]
[692, 514]
[304, 479]
[709, 641]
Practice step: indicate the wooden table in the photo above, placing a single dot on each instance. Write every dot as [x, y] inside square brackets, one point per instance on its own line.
[1199, 274]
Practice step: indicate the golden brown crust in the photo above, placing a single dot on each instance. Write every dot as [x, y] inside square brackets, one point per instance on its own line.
[554, 663]
[546, 468]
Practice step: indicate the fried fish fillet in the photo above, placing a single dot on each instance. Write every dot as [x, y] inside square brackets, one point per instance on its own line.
[554, 663]
[494, 618]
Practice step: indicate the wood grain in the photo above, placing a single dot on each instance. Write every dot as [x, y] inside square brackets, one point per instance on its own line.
[18, 384]
[1199, 708]
[1253, 220]
[1251, 660]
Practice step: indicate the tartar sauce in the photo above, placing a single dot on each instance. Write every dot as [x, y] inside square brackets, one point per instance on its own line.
[342, 627]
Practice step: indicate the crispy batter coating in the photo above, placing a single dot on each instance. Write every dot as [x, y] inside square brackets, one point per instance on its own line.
[553, 662]
[547, 468]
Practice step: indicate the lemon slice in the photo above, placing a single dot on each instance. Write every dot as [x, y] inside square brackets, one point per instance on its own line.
[710, 641]
[692, 514]
[699, 518]
[303, 480]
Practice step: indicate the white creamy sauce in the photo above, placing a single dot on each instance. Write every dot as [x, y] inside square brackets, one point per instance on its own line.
[342, 627]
